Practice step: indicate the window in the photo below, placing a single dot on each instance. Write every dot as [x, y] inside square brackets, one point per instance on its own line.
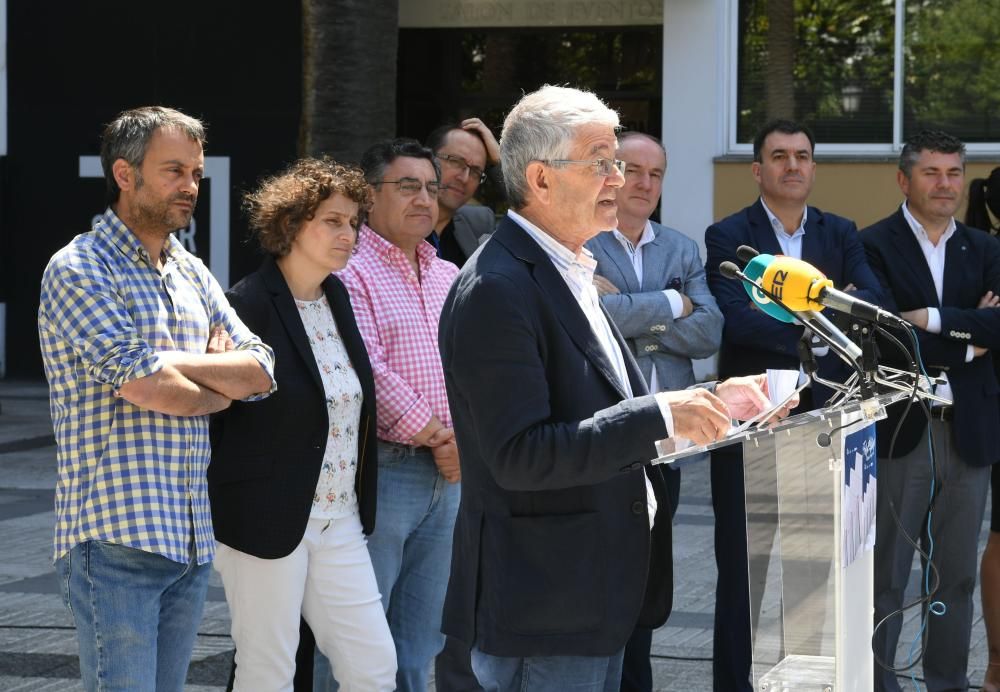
[837, 66]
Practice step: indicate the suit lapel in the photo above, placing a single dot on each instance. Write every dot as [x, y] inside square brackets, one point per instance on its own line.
[813, 242]
[956, 253]
[761, 231]
[655, 259]
[284, 305]
[619, 257]
[464, 236]
[561, 300]
[913, 257]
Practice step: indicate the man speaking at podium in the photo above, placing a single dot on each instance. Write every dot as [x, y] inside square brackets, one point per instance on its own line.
[944, 278]
[778, 223]
[562, 543]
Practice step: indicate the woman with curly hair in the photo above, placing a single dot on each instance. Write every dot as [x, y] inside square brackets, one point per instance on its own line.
[292, 481]
[984, 201]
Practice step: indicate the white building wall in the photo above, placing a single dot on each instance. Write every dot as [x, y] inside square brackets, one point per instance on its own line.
[695, 99]
[695, 55]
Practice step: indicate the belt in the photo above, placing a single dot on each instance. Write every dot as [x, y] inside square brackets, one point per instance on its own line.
[406, 450]
[943, 413]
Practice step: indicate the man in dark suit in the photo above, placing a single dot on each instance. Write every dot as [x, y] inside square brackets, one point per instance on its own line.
[943, 278]
[557, 551]
[465, 152]
[652, 283]
[778, 223]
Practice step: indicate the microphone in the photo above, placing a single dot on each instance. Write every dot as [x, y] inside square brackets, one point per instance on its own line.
[745, 253]
[753, 272]
[820, 325]
[801, 287]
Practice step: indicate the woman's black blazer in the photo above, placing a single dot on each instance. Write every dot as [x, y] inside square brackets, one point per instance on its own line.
[266, 455]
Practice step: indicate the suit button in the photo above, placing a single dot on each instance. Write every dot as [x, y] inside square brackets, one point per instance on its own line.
[638, 507]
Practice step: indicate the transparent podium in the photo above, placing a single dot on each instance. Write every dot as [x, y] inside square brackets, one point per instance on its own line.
[810, 500]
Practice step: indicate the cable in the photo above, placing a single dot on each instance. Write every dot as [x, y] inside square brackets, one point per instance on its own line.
[932, 606]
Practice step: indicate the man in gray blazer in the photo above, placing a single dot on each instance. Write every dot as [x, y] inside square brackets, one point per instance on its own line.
[652, 282]
[465, 153]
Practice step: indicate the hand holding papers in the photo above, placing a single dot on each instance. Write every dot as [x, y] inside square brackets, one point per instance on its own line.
[737, 397]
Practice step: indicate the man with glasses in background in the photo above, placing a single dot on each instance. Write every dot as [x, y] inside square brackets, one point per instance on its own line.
[397, 285]
[466, 153]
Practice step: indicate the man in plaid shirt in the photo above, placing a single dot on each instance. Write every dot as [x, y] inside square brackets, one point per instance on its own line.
[397, 286]
[139, 346]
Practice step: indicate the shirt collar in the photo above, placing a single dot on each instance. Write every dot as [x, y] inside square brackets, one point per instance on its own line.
[779, 227]
[921, 232]
[560, 255]
[646, 237]
[371, 241]
[128, 242]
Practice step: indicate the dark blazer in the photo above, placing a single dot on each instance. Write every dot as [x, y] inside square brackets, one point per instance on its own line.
[752, 341]
[266, 455]
[471, 222]
[971, 268]
[553, 555]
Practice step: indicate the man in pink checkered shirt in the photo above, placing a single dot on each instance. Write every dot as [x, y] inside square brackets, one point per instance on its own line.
[397, 286]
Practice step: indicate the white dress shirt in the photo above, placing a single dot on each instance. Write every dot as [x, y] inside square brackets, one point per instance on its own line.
[791, 244]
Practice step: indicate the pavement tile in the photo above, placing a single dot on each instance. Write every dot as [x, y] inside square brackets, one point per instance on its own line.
[37, 640]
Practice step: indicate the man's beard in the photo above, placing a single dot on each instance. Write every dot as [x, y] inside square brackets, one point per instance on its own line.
[162, 215]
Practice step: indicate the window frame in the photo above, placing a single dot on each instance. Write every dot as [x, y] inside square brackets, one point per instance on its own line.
[845, 150]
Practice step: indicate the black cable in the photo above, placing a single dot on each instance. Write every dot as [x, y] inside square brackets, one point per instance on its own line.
[925, 600]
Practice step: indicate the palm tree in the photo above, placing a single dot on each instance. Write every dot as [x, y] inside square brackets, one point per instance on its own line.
[781, 39]
[348, 76]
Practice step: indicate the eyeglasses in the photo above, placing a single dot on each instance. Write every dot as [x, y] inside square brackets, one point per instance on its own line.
[605, 167]
[410, 187]
[457, 163]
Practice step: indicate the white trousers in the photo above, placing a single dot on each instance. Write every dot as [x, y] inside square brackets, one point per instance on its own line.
[328, 578]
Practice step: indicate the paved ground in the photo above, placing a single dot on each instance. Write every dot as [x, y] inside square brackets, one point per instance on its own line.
[37, 642]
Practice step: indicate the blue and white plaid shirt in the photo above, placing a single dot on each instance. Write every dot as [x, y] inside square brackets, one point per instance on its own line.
[129, 475]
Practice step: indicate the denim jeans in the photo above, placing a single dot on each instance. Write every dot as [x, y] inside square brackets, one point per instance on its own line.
[548, 673]
[136, 614]
[411, 553]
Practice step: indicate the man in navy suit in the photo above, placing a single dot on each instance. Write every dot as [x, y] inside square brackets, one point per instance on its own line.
[558, 548]
[942, 277]
[778, 223]
[652, 283]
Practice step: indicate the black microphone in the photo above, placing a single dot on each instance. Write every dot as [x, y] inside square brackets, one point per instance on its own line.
[730, 270]
[745, 253]
[855, 307]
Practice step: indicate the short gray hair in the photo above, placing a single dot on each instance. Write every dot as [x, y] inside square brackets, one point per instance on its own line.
[542, 126]
[127, 137]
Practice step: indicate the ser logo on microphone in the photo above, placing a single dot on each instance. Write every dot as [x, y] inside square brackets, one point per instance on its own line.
[778, 284]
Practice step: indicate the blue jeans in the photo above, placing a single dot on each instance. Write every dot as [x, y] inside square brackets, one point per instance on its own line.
[548, 673]
[136, 614]
[411, 553]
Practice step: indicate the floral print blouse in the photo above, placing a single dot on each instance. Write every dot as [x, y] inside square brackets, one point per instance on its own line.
[335, 496]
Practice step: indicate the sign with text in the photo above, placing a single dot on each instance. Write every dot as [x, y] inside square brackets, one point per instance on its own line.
[446, 14]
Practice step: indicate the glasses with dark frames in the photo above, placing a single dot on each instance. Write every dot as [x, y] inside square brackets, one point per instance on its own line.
[409, 187]
[457, 163]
